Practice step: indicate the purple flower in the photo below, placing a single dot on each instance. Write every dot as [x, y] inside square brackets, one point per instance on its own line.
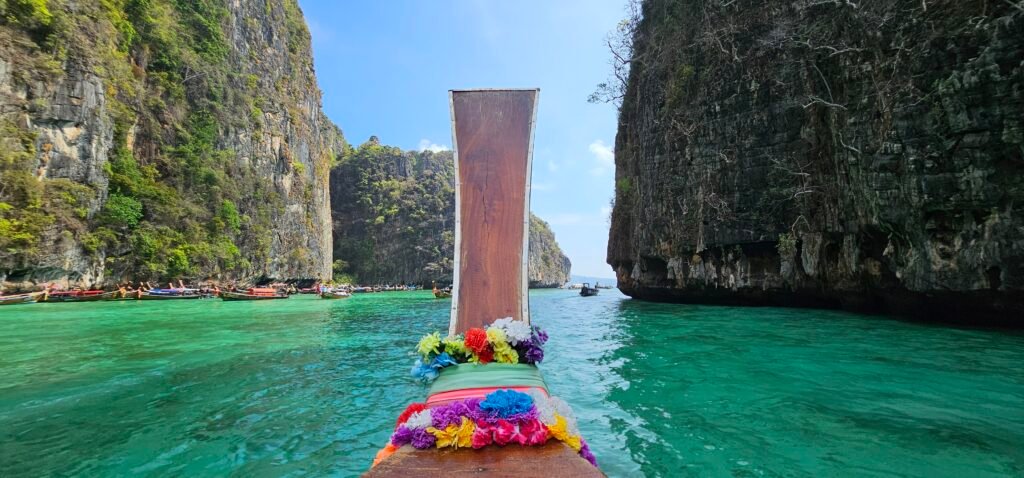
[441, 417]
[402, 436]
[534, 354]
[539, 336]
[586, 453]
[421, 439]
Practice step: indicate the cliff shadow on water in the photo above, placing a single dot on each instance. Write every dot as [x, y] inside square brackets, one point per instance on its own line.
[864, 156]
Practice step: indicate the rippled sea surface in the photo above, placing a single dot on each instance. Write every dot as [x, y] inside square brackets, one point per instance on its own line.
[311, 387]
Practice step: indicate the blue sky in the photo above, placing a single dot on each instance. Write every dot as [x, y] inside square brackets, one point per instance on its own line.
[385, 68]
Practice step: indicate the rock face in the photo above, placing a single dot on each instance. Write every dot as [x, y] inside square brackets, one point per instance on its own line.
[825, 154]
[394, 220]
[548, 267]
[161, 140]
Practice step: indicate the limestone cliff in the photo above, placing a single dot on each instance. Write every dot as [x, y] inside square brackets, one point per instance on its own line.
[161, 139]
[394, 216]
[865, 155]
[547, 265]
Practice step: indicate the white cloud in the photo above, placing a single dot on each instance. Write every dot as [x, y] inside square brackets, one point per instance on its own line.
[564, 219]
[552, 166]
[605, 156]
[542, 187]
[605, 211]
[426, 145]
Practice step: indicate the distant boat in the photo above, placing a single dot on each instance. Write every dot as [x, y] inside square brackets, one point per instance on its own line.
[255, 293]
[171, 294]
[441, 293]
[124, 294]
[19, 298]
[587, 291]
[338, 294]
[76, 296]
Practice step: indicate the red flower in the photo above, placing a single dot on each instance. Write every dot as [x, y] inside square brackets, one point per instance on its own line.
[533, 432]
[486, 356]
[482, 435]
[476, 340]
[412, 408]
[504, 432]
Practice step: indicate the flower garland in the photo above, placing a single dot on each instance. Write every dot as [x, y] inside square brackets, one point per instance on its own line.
[504, 341]
[503, 417]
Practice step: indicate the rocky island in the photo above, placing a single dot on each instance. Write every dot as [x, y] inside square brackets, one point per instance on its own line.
[161, 139]
[862, 155]
[166, 139]
[394, 216]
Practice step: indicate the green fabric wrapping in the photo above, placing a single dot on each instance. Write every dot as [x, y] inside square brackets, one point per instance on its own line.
[471, 375]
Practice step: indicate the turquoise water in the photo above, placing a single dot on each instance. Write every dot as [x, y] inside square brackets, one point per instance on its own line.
[310, 387]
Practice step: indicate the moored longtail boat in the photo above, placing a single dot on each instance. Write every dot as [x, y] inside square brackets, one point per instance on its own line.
[487, 395]
[76, 296]
[19, 298]
[255, 293]
[170, 294]
[335, 294]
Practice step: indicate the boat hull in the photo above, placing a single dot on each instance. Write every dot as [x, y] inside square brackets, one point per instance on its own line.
[18, 299]
[77, 298]
[169, 297]
[333, 295]
[229, 296]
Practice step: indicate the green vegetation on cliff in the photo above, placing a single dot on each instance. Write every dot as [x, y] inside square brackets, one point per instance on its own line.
[160, 139]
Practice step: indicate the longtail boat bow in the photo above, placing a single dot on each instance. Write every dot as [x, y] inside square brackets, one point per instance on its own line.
[488, 409]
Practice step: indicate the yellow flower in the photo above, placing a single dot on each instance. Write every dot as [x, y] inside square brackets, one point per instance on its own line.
[496, 337]
[506, 354]
[560, 431]
[428, 345]
[460, 435]
[503, 352]
[456, 346]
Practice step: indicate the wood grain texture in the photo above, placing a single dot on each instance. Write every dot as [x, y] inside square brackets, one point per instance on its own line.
[493, 131]
[551, 459]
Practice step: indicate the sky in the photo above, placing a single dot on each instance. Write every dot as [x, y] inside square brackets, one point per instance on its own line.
[385, 68]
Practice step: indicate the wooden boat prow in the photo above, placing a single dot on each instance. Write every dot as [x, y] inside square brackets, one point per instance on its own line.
[493, 136]
[551, 459]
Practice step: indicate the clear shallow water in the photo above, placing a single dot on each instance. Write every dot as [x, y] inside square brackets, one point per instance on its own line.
[310, 387]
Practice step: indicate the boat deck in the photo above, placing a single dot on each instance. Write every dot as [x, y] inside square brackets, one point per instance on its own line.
[551, 459]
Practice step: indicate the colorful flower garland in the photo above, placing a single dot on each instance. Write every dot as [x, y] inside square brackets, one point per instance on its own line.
[504, 341]
[503, 417]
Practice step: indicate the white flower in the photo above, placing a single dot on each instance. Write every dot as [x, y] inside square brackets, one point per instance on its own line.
[418, 420]
[565, 410]
[516, 331]
[545, 409]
